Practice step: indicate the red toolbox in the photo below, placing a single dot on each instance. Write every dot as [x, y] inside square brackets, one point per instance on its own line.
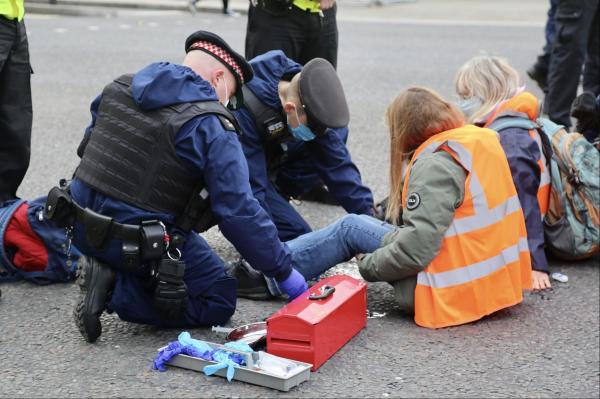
[315, 325]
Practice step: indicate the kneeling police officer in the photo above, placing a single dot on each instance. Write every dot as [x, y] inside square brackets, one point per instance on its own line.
[294, 124]
[160, 162]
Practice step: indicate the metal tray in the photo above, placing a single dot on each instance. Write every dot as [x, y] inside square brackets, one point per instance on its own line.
[247, 374]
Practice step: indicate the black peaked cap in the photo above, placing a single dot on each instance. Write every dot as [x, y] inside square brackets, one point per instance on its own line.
[322, 95]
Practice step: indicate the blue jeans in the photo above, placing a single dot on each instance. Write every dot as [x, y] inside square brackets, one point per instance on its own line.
[315, 252]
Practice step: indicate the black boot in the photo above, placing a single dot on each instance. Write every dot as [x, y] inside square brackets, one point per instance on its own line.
[585, 110]
[251, 284]
[319, 193]
[96, 281]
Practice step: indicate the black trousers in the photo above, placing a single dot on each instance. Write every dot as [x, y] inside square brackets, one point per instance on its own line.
[577, 40]
[301, 35]
[15, 106]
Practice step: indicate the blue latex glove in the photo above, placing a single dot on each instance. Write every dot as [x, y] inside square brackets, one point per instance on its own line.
[224, 360]
[174, 348]
[186, 339]
[228, 359]
[294, 284]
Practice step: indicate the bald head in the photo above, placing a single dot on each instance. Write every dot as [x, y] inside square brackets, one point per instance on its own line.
[213, 71]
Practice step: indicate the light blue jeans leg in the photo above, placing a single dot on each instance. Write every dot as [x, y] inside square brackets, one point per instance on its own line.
[320, 250]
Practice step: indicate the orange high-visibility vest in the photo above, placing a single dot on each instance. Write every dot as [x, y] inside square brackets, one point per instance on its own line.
[526, 105]
[483, 264]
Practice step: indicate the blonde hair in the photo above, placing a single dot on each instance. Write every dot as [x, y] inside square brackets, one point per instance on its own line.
[489, 78]
[414, 116]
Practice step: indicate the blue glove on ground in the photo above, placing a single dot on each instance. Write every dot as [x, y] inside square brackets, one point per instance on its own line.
[294, 284]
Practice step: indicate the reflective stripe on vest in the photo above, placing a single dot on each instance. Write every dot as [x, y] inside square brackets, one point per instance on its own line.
[543, 194]
[525, 106]
[483, 263]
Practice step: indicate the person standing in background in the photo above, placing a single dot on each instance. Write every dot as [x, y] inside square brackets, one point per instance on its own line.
[15, 99]
[302, 29]
[538, 72]
[577, 40]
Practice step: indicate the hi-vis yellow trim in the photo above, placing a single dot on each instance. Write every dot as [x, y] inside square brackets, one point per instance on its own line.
[12, 9]
[308, 5]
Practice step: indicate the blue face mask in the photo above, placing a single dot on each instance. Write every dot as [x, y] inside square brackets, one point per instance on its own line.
[302, 132]
[470, 105]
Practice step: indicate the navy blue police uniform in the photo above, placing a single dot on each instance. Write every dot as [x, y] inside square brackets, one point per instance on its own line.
[300, 166]
[207, 149]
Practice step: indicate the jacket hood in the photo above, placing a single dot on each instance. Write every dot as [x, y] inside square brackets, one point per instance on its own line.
[524, 104]
[162, 84]
[269, 69]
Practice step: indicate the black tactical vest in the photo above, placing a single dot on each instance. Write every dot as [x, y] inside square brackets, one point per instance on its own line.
[130, 155]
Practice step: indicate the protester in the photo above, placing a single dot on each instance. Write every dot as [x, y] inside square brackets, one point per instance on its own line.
[139, 201]
[15, 99]
[459, 250]
[490, 90]
[294, 125]
[302, 29]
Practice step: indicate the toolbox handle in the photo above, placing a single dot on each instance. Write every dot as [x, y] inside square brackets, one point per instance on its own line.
[325, 290]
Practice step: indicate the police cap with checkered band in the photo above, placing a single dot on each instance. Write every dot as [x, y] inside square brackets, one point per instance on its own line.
[214, 45]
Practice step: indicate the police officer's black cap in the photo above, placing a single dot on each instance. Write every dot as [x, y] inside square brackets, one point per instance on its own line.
[322, 96]
[214, 45]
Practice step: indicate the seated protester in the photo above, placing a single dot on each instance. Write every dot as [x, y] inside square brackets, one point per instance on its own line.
[302, 142]
[159, 161]
[459, 251]
[490, 89]
[33, 248]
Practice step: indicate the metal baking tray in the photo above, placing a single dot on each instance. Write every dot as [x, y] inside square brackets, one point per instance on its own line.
[246, 373]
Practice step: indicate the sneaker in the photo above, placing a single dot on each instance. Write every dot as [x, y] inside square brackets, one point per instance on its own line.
[96, 281]
[251, 284]
[538, 76]
[231, 13]
[319, 193]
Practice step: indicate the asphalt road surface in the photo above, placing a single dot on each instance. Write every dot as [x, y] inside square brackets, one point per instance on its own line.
[548, 346]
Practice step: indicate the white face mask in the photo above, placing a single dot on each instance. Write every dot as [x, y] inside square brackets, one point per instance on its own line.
[469, 105]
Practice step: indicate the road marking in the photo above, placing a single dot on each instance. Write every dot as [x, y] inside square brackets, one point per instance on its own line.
[152, 24]
[93, 28]
[125, 26]
[443, 22]
[60, 30]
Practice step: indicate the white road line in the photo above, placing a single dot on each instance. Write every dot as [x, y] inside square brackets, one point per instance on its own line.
[152, 24]
[93, 28]
[60, 30]
[443, 22]
[125, 26]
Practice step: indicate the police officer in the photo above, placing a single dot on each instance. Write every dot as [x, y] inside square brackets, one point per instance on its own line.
[294, 123]
[577, 39]
[160, 160]
[303, 29]
[15, 99]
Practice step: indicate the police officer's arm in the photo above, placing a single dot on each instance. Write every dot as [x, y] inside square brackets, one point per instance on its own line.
[522, 153]
[241, 219]
[339, 173]
[436, 186]
[254, 152]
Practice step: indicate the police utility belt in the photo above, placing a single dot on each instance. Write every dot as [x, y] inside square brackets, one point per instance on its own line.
[147, 243]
